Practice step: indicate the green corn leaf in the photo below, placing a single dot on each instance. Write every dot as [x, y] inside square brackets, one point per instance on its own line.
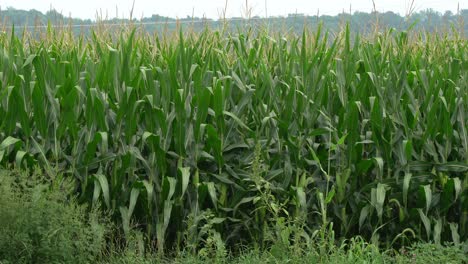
[378, 198]
[96, 193]
[125, 219]
[363, 215]
[149, 191]
[378, 161]
[406, 185]
[238, 121]
[243, 201]
[102, 181]
[133, 200]
[426, 221]
[168, 188]
[301, 197]
[185, 176]
[29, 60]
[212, 193]
[20, 155]
[452, 167]
[330, 195]
[437, 231]
[9, 141]
[455, 234]
[167, 214]
[428, 197]
[457, 184]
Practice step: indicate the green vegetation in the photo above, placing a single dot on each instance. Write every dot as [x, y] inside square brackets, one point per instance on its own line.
[209, 143]
[40, 222]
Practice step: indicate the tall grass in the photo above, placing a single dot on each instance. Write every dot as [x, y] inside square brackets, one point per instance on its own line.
[213, 137]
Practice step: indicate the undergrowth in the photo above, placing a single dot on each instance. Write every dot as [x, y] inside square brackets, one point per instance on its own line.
[40, 222]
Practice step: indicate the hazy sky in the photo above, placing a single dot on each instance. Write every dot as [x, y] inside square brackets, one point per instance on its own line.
[213, 8]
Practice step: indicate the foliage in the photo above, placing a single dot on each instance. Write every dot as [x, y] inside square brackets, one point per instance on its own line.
[248, 132]
[39, 224]
[354, 251]
[57, 230]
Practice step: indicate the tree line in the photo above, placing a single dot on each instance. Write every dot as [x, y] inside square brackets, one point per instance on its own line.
[429, 20]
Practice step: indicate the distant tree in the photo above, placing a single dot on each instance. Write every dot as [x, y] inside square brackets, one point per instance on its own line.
[429, 19]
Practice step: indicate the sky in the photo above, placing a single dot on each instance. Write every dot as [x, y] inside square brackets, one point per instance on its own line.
[214, 8]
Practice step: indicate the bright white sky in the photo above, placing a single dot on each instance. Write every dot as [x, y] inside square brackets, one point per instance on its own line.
[213, 8]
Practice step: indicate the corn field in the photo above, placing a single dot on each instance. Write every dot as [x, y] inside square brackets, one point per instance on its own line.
[247, 137]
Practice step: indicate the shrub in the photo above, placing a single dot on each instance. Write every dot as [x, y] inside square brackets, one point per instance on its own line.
[39, 223]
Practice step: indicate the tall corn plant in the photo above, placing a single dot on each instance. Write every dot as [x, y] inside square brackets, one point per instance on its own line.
[366, 132]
